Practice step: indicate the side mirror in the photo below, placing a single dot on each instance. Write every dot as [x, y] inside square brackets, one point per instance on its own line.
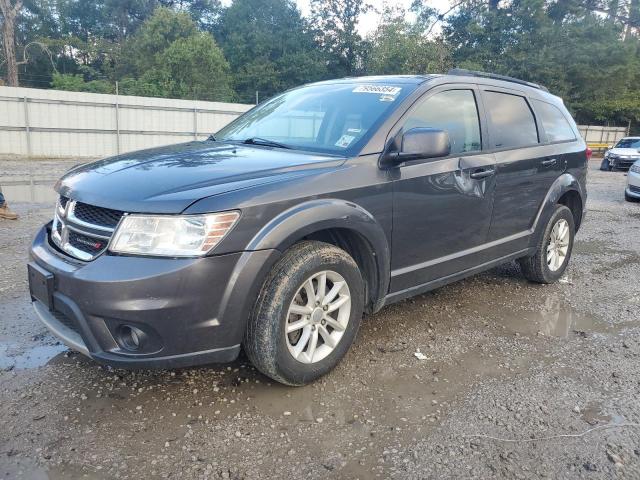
[421, 143]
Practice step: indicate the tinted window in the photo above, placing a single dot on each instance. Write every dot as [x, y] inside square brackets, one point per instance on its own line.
[333, 118]
[455, 112]
[554, 122]
[513, 123]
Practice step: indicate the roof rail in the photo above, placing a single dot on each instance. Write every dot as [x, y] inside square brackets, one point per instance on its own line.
[472, 73]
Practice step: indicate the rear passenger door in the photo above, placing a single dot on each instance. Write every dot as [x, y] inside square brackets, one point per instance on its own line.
[525, 168]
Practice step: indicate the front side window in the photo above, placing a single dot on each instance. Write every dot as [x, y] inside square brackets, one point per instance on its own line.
[554, 122]
[333, 118]
[512, 122]
[453, 111]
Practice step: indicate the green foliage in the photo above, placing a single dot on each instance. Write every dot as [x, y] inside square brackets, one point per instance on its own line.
[77, 83]
[191, 67]
[336, 23]
[399, 47]
[269, 46]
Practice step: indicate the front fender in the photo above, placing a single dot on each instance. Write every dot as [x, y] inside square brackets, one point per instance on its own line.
[316, 215]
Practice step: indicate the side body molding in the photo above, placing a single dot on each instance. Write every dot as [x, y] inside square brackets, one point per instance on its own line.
[329, 213]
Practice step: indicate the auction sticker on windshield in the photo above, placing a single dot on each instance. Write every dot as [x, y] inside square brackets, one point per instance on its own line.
[378, 89]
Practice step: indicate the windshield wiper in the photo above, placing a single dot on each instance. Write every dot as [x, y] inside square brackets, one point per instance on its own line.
[266, 142]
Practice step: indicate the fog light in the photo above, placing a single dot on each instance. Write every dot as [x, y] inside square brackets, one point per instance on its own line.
[130, 337]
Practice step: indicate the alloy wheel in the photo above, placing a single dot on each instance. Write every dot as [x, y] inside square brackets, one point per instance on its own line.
[318, 316]
[558, 245]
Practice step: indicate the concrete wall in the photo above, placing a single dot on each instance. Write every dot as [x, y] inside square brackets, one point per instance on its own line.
[54, 123]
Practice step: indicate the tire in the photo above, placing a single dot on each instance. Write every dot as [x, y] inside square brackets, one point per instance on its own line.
[605, 166]
[629, 198]
[269, 348]
[537, 268]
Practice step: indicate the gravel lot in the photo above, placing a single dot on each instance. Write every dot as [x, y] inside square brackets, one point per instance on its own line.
[520, 380]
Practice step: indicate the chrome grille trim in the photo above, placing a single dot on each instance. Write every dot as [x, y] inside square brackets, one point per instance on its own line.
[65, 221]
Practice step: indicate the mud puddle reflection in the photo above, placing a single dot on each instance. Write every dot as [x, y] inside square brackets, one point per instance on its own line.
[15, 356]
[554, 318]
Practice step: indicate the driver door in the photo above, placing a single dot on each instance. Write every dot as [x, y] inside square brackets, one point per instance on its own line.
[442, 206]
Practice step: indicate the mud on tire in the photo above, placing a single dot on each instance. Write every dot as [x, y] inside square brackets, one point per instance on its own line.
[265, 341]
[536, 268]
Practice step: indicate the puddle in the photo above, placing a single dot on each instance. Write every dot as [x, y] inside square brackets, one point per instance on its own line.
[14, 357]
[29, 190]
[553, 318]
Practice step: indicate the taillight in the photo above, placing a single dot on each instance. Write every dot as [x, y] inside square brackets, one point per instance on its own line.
[589, 153]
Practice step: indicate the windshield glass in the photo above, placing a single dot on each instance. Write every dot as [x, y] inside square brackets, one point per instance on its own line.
[331, 118]
[628, 143]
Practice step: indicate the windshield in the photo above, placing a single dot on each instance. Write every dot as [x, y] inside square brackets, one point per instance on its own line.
[331, 118]
[628, 143]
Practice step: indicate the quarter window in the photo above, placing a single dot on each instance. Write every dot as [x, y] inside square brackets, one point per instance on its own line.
[512, 121]
[453, 111]
[554, 122]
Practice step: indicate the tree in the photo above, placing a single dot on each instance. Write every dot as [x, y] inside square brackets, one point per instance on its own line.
[270, 47]
[9, 13]
[190, 67]
[336, 23]
[400, 47]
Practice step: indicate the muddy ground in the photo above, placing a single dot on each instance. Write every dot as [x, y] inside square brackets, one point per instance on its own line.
[519, 380]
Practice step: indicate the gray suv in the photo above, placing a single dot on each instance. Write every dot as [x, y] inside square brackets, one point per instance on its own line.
[331, 200]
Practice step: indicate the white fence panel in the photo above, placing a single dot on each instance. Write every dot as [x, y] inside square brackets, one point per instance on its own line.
[54, 123]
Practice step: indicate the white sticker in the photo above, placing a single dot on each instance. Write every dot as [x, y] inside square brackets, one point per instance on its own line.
[344, 141]
[387, 98]
[377, 89]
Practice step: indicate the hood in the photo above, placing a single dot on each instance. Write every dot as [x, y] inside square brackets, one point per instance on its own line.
[631, 152]
[169, 179]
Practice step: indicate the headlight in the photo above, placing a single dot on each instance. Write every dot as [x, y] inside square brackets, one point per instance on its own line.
[635, 168]
[172, 236]
[613, 155]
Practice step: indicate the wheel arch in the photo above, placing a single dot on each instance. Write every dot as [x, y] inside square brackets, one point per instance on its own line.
[340, 223]
[565, 190]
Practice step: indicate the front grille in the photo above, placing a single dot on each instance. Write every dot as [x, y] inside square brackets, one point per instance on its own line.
[634, 189]
[81, 230]
[104, 217]
[86, 243]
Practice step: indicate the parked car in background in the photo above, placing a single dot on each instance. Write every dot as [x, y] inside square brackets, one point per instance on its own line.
[624, 154]
[327, 201]
[632, 192]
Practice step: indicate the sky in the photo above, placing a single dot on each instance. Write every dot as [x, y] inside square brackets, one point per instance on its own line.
[369, 22]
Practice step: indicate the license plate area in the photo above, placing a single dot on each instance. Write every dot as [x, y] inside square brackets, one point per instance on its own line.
[40, 284]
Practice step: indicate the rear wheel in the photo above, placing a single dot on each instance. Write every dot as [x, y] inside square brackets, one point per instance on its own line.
[307, 314]
[553, 249]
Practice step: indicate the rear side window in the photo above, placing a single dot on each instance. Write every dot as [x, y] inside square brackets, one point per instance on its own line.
[554, 122]
[512, 121]
[453, 111]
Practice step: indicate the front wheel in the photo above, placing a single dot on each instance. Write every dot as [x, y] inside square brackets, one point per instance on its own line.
[553, 249]
[307, 314]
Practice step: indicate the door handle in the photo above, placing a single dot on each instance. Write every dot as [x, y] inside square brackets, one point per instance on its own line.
[551, 161]
[482, 173]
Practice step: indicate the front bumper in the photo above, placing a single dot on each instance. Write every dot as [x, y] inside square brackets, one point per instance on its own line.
[621, 163]
[189, 311]
[633, 185]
